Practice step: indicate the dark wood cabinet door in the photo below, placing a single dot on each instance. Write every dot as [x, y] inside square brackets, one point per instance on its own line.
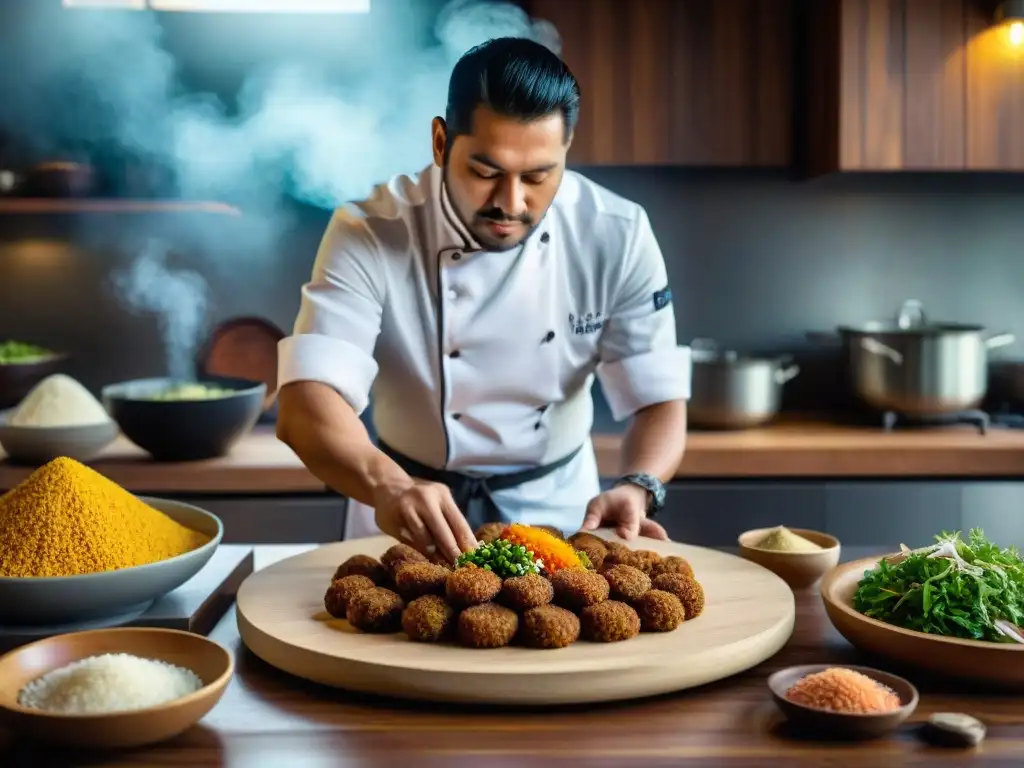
[994, 95]
[912, 85]
[679, 82]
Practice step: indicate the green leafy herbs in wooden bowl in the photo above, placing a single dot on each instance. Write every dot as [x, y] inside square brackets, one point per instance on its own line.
[972, 590]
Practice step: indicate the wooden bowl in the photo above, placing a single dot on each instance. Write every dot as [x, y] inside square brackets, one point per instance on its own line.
[798, 569]
[210, 661]
[838, 724]
[997, 665]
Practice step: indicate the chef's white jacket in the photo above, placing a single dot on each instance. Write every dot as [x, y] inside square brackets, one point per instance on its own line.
[482, 362]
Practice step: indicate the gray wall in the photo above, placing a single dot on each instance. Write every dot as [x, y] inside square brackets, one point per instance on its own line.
[755, 260]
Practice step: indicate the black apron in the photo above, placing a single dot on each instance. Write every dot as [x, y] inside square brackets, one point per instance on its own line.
[472, 494]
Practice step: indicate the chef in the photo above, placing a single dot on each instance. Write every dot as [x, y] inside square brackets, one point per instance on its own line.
[474, 303]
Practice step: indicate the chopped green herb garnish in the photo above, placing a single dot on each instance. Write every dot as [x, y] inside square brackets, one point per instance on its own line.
[502, 557]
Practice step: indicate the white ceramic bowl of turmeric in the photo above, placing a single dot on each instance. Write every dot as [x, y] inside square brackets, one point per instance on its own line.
[799, 556]
[76, 548]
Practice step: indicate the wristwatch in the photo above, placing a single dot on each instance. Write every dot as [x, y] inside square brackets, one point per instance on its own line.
[652, 485]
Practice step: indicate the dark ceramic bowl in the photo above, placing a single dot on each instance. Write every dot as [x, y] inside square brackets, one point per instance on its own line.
[185, 430]
[18, 379]
[839, 725]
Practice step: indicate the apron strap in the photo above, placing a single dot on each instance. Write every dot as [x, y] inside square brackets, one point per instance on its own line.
[472, 494]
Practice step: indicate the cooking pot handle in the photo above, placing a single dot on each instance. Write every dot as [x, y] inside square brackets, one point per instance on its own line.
[782, 375]
[1001, 340]
[875, 347]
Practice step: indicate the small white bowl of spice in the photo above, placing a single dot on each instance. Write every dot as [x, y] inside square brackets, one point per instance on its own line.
[112, 688]
[59, 417]
[800, 557]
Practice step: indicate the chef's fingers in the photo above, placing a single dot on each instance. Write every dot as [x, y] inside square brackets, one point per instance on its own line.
[592, 520]
[436, 520]
[653, 530]
[629, 525]
[418, 535]
[464, 536]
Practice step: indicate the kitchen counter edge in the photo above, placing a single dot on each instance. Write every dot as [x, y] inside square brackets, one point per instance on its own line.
[261, 464]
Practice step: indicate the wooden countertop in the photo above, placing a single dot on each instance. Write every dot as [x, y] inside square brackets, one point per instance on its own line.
[261, 464]
[267, 718]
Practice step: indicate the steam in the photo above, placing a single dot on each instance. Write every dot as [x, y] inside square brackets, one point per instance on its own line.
[104, 81]
[178, 298]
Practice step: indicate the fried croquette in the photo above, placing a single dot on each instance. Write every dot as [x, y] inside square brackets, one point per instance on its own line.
[626, 582]
[609, 622]
[437, 558]
[363, 565]
[686, 588]
[414, 580]
[659, 611]
[548, 626]
[488, 532]
[376, 610]
[428, 619]
[344, 589]
[401, 553]
[622, 556]
[488, 625]
[647, 559]
[672, 564]
[576, 588]
[581, 538]
[471, 586]
[615, 546]
[528, 591]
[595, 553]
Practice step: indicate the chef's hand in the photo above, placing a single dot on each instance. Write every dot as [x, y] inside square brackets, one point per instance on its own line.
[425, 516]
[624, 508]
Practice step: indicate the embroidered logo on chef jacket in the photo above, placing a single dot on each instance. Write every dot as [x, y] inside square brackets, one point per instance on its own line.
[591, 322]
[662, 298]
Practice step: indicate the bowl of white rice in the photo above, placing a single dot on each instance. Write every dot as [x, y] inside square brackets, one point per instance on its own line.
[58, 417]
[112, 688]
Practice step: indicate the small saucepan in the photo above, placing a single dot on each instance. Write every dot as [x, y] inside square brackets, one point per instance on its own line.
[914, 366]
[734, 391]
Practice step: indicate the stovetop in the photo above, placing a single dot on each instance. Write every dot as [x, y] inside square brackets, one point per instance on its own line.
[893, 420]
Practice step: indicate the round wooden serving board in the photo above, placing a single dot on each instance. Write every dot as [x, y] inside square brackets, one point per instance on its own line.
[748, 617]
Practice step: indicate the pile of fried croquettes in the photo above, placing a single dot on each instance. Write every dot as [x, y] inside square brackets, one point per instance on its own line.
[622, 593]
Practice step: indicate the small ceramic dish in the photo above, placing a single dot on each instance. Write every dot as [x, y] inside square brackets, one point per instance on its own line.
[213, 664]
[798, 569]
[838, 724]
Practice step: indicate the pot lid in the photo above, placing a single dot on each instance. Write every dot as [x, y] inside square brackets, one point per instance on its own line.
[911, 320]
[707, 352]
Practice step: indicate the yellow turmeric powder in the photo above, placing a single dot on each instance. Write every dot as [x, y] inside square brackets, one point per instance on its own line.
[68, 520]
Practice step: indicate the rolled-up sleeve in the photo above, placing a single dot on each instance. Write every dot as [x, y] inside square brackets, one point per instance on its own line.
[339, 317]
[640, 362]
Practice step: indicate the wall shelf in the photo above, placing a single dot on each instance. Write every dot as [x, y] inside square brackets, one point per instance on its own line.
[67, 205]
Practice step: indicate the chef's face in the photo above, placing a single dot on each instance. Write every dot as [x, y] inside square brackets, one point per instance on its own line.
[502, 178]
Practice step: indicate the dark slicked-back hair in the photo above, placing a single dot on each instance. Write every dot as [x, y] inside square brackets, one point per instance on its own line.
[514, 77]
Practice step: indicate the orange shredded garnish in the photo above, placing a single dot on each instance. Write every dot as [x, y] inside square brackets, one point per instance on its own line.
[555, 553]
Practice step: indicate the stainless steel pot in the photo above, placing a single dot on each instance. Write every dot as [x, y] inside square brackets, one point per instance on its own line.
[916, 367]
[732, 391]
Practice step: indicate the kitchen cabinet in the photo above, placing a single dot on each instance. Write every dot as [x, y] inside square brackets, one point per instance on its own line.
[679, 82]
[290, 519]
[911, 85]
[865, 513]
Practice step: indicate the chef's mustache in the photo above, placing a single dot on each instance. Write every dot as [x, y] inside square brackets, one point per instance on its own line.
[498, 215]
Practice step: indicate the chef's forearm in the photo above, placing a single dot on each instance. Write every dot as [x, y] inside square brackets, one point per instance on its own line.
[655, 441]
[331, 440]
